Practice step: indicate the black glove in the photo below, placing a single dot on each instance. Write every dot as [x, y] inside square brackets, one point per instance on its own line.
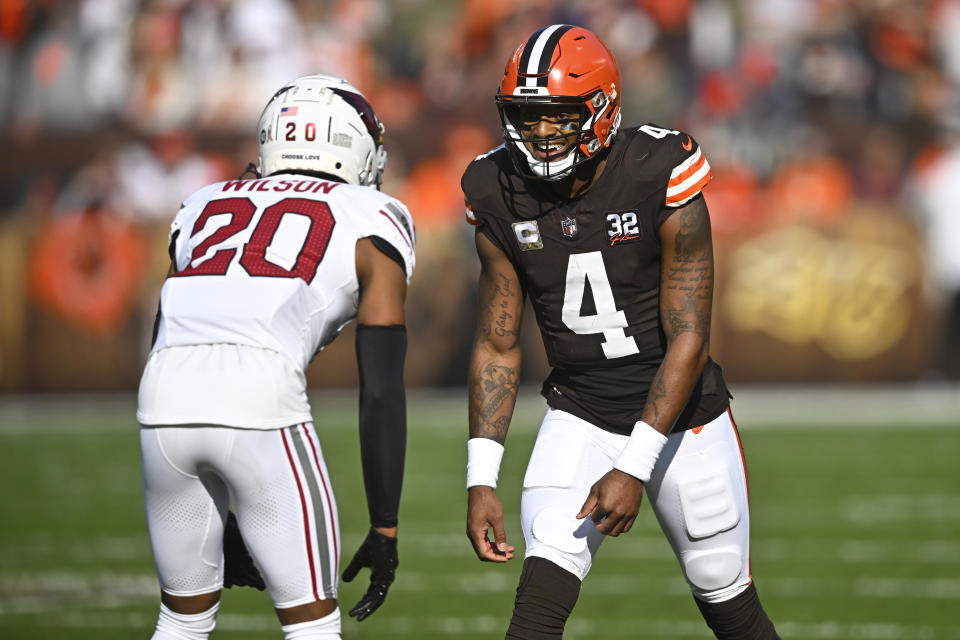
[379, 552]
[238, 567]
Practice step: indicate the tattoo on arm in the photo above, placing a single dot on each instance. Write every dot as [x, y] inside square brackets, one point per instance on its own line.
[493, 385]
[657, 398]
[498, 298]
[493, 392]
[686, 295]
[495, 363]
[688, 279]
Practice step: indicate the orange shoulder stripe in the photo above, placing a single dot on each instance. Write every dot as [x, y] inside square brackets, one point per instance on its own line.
[690, 192]
[692, 169]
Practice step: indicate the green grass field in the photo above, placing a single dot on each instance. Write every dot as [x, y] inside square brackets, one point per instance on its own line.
[856, 527]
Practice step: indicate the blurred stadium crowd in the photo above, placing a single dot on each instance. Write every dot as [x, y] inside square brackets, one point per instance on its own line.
[836, 119]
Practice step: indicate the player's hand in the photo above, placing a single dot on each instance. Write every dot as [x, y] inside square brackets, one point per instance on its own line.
[613, 503]
[484, 512]
[238, 567]
[379, 553]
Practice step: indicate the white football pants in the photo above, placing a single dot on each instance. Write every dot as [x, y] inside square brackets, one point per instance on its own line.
[698, 492]
[279, 487]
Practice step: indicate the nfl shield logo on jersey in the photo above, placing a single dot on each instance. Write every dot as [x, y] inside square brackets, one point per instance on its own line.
[569, 227]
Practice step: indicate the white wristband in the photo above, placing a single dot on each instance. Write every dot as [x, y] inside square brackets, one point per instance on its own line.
[641, 453]
[483, 462]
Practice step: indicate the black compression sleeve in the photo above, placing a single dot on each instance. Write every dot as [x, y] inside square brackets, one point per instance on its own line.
[383, 418]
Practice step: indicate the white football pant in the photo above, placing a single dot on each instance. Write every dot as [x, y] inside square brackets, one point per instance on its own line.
[698, 492]
[279, 487]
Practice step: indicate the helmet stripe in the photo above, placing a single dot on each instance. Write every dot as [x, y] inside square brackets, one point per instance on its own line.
[525, 56]
[547, 55]
[538, 53]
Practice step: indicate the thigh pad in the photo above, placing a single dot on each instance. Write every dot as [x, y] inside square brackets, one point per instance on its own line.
[705, 491]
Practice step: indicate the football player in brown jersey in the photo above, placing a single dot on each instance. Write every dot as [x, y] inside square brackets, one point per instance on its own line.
[606, 231]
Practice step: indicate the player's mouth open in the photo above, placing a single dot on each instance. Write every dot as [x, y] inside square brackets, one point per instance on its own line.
[549, 151]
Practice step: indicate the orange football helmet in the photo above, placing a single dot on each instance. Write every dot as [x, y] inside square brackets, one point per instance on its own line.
[560, 68]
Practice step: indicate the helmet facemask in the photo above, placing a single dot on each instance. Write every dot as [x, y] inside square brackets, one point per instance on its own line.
[563, 67]
[572, 123]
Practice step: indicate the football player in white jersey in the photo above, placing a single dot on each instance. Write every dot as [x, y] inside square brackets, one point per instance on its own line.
[266, 272]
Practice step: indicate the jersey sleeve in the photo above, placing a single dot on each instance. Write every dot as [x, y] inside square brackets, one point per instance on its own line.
[479, 199]
[689, 174]
[394, 224]
[469, 214]
[174, 234]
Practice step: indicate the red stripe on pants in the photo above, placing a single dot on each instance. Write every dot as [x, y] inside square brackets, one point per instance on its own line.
[306, 518]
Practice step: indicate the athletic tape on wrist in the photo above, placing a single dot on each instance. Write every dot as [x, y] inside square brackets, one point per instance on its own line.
[483, 462]
[640, 455]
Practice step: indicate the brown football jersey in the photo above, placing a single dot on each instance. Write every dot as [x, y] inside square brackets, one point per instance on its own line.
[591, 267]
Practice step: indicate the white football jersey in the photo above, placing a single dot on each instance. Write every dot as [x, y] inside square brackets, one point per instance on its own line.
[268, 264]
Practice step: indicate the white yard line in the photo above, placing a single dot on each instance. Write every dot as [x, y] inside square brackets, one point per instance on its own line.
[653, 547]
[445, 410]
[578, 627]
[874, 406]
[43, 591]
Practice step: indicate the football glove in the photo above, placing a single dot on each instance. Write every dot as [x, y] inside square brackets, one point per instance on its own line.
[238, 567]
[379, 553]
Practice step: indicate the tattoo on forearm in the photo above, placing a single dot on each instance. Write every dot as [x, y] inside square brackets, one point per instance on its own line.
[689, 278]
[493, 392]
[657, 397]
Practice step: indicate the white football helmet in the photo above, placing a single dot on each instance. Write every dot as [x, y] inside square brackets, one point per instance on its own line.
[322, 123]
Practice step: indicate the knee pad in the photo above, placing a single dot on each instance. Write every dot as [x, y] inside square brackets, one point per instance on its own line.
[325, 628]
[546, 595]
[551, 499]
[712, 569]
[183, 626]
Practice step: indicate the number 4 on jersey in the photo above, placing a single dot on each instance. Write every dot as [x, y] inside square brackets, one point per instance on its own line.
[608, 320]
